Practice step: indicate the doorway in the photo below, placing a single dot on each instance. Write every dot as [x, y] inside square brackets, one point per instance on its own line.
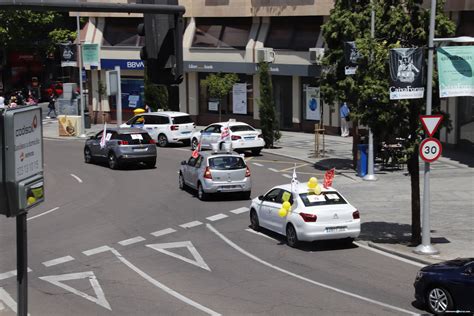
[283, 96]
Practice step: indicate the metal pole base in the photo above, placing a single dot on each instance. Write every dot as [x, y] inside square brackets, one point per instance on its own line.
[370, 177]
[426, 250]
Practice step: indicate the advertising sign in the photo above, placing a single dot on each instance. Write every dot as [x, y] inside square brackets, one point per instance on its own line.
[213, 105]
[239, 98]
[90, 55]
[68, 54]
[455, 71]
[313, 106]
[406, 73]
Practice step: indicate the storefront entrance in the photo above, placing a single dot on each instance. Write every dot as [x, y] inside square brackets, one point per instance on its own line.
[283, 96]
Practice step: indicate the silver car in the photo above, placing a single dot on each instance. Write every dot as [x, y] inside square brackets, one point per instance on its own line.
[216, 172]
[122, 145]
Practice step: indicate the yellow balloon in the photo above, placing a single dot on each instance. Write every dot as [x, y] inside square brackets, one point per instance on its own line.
[313, 180]
[311, 185]
[282, 212]
[317, 190]
[31, 200]
[286, 205]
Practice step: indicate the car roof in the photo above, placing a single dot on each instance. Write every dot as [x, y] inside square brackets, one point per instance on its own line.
[210, 153]
[231, 123]
[303, 187]
[168, 113]
[126, 130]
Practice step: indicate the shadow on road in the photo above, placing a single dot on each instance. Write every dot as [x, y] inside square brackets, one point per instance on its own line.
[338, 163]
[383, 232]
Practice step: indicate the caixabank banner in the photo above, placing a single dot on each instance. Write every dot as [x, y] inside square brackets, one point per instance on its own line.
[406, 73]
[455, 71]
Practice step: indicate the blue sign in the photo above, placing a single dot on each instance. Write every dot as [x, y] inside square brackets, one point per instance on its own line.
[123, 63]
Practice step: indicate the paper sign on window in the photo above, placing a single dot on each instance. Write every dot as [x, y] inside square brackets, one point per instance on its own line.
[137, 136]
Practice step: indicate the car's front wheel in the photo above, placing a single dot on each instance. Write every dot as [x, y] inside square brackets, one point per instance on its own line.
[181, 183]
[162, 140]
[88, 155]
[291, 236]
[203, 196]
[113, 162]
[254, 222]
[439, 300]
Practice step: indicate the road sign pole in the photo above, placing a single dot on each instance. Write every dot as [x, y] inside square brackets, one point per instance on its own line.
[22, 264]
[426, 248]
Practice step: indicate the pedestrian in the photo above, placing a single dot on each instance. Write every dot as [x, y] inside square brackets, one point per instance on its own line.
[147, 108]
[51, 106]
[344, 112]
[2, 103]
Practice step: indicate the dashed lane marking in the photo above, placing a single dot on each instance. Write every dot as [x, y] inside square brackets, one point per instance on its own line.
[36, 216]
[10, 274]
[257, 164]
[287, 176]
[240, 210]
[163, 232]
[57, 261]
[273, 169]
[216, 217]
[131, 241]
[97, 250]
[76, 177]
[191, 224]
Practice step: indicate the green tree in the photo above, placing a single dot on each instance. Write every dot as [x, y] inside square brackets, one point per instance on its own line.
[268, 121]
[219, 86]
[398, 24]
[156, 96]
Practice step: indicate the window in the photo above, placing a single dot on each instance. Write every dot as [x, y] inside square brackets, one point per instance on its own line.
[162, 120]
[294, 33]
[226, 163]
[212, 129]
[199, 161]
[242, 128]
[192, 161]
[222, 33]
[182, 119]
[273, 195]
[325, 198]
[135, 138]
[122, 32]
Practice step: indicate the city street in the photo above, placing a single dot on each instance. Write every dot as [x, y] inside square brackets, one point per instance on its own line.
[130, 242]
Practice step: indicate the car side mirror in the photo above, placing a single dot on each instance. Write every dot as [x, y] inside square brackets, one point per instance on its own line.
[184, 162]
[469, 271]
[260, 197]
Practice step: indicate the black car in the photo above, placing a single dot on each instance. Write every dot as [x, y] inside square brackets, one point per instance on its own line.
[447, 287]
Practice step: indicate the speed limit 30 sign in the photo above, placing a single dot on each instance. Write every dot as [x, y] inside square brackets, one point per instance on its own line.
[430, 149]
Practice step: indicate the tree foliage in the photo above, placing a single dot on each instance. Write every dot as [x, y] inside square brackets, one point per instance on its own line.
[398, 23]
[220, 85]
[268, 121]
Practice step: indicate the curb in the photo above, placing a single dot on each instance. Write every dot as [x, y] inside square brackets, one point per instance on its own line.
[402, 254]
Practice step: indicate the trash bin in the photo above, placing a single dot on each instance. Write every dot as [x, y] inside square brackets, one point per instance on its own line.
[87, 119]
[362, 160]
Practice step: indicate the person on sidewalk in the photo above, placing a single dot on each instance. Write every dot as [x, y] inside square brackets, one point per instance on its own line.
[51, 106]
[344, 112]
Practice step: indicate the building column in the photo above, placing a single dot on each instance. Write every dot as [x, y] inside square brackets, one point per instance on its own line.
[256, 97]
[193, 96]
[296, 102]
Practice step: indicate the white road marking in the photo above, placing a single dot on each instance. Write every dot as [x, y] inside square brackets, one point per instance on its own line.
[257, 164]
[216, 217]
[10, 274]
[198, 260]
[191, 224]
[131, 241]
[158, 284]
[183, 149]
[97, 250]
[287, 176]
[273, 169]
[418, 264]
[363, 298]
[240, 210]
[100, 296]
[8, 300]
[260, 234]
[163, 232]
[57, 261]
[76, 177]
[47, 212]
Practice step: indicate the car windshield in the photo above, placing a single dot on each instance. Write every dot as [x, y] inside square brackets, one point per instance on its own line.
[182, 119]
[226, 163]
[241, 128]
[325, 198]
[135, 138]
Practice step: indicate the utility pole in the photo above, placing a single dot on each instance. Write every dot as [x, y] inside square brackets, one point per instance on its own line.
[79, 61]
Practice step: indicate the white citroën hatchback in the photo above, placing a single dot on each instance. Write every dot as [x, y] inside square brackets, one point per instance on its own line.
[311, 217]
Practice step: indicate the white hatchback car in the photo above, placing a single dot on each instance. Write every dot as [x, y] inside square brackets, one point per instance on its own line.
[164, 126]
[243, 136]
[311, 217]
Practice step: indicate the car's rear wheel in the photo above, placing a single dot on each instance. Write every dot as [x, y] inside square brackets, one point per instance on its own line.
[113, 162]
[291, 236]
[203, 196]
[150, 163]
[162, 140]
[88, 155]
[254, 222]
[181, 183]
[439, 300]
[194, 143]
[256, 152]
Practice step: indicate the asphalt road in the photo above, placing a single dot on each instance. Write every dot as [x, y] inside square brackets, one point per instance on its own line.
[129, 242]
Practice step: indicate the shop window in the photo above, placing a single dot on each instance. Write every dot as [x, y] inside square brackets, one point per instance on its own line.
[294, 33]
[122, 32]
[222, 33]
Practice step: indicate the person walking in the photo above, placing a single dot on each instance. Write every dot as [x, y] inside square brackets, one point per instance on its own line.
[51, 106]
[344, 112]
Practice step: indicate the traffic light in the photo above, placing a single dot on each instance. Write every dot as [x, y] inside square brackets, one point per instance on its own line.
[163, 50]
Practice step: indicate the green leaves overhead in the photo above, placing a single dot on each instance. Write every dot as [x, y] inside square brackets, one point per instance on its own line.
[220, 85]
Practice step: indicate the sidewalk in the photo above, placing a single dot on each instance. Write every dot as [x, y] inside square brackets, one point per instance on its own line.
[385, 204]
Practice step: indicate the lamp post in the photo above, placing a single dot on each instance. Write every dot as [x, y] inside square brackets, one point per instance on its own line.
[79, 61]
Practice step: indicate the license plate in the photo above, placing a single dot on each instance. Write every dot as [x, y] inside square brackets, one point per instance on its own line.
[139, 149]
[228, 187]
[249, 138]
[335, 229]
[186, 132]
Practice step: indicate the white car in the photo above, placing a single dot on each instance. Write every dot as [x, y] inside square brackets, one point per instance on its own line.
[243, 136]
[311, 217]
[164, 126]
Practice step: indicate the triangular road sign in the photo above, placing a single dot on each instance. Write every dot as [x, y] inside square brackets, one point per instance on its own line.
[58, 281]
[198, 260]
[431, 123]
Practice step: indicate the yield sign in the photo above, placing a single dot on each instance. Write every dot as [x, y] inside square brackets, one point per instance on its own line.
[198, 260]
[431, 123]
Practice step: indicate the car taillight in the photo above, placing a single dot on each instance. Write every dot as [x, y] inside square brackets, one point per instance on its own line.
[207, 173]
[356, 215]
[309, 217]
[174, 127]
[123, 142]
[235, 137]
[247, 172]
[152, 141]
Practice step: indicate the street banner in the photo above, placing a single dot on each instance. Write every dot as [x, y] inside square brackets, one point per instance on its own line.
[455, 71]
[90, 54]
[406, 73]
[239, 98]
[68, 54]
[351, 56]
[313, 106]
